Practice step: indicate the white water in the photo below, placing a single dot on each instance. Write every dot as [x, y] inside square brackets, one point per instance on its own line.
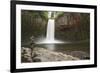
[50, 30]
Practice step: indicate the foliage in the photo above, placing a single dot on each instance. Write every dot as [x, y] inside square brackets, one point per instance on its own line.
[59, 14]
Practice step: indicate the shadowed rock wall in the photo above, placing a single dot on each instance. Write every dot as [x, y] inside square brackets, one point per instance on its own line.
[73, 26]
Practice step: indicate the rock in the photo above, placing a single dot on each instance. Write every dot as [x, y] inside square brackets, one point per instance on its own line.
[80, 54]
[36, 59]
[44, 55]
[26, 55]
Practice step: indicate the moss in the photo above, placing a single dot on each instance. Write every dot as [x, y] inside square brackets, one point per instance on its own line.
[58, 15]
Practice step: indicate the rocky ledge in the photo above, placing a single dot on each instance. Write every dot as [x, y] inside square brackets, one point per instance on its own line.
[43, 55]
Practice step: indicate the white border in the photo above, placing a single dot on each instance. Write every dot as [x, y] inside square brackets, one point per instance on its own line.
[51, 64]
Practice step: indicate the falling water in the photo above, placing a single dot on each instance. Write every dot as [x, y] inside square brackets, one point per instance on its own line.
[50, 30]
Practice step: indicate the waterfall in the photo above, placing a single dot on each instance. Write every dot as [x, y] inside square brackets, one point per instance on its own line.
[50, 34]
[50, 30]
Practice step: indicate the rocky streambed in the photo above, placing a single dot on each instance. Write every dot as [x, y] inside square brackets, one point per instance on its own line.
[38, 54]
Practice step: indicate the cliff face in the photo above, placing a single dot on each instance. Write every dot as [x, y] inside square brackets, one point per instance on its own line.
[72, 26]
[43, 55]
[33, 23]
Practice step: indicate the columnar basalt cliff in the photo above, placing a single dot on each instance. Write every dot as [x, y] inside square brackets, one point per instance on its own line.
[72, 26]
